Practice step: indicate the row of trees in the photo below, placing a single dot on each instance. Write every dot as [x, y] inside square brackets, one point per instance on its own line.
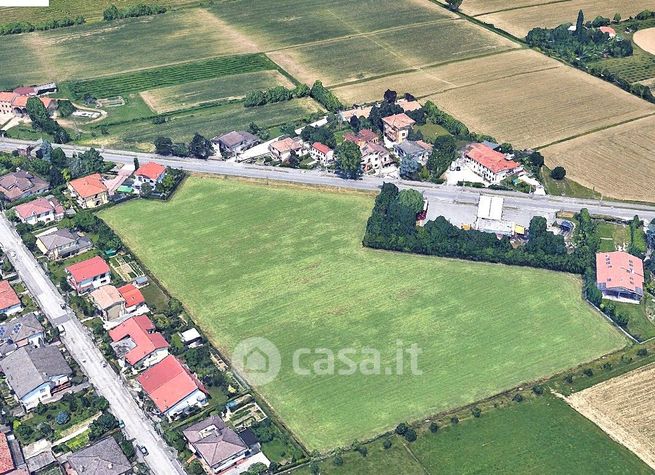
[275, 94]
[199, 147]
[114, 13]
[41, 120]
[325, 97]
[17, 27]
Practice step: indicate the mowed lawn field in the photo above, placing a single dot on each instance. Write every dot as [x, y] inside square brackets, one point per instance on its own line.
[542, 435]
[287, 264]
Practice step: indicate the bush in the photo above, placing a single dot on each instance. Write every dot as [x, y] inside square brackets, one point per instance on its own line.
[558, 173]
[476, 412]
[363, 450]
[588, 372]
[642, 352]
[401, 428]
[538, 390]
[433, 427]
[337, 460]
[387, 444]
[62, 418]
[410, 435]
[454, 420]
[517, 397]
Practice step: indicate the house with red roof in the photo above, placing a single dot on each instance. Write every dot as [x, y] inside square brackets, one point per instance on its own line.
[491, 165]
[321, 153]
[620, 276]
[362, 137]
[133, 299]
[172, 388]
[138, 344]
[282, 149]
[397, 127]
[150, 173]
[40, 210]
[15, 103]
[7, 464]
[88, 275]
[89, 191]
[609, 30]
[9, 301]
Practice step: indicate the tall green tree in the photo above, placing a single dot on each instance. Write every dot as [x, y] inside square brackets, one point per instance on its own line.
[348, 160]
[200, 147]
[454, 4]
[163, 146]
[579, 24]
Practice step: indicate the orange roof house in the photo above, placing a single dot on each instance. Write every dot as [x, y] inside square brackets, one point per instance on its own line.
[609, 30]
[152, 171]
[620, 276]
[132, 296]
[491, 165]
[396, 127]
[147, 345]
[6, 460]
[172, 387]
[91, 273]
[40, 209]
[9, 301]
[90, 191]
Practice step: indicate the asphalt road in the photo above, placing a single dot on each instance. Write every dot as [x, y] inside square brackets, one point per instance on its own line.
[441, 195]
[79, 343]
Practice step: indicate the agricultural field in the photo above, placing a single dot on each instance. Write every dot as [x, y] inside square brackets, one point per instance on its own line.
[191, 94]
[94, 50]
[208, 121]
[624, 407]
[519, 21]
[431, 80]
[544, 107]
[277, 24]
[181, 73]
[276, 258]
[364, 56]
[617, 162]
[504, 440]
[91, 11]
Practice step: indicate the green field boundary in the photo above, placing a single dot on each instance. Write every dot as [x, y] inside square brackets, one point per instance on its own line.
[522, 7]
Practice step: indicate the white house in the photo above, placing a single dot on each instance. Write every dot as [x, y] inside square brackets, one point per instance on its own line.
[9, 301]
[321, 153]
[138, 344]
[89, 274]
[41, 210]
[150, 173]
[491, 165]
[35, 374]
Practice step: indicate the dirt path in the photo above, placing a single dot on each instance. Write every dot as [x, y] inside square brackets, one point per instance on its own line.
[645, 39]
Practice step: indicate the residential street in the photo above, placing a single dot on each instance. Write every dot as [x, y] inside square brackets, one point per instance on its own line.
[79, 343]
[438, 195]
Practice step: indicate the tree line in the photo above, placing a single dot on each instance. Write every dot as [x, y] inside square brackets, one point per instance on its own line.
[18, 27]
[142, 9]
[41, 120]
[275, 94]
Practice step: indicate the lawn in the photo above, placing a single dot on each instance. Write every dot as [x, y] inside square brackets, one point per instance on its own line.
[209, 122]
[613, 236]
[236, 86]
[543, 435]
[115, 47]
[287, 264]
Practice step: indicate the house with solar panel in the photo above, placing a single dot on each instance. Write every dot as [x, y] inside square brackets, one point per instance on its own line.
[20, 332]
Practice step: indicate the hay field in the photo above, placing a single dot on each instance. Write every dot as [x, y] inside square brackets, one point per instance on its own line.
[521, 20]
[103, 48]
[645, 39]
[624, 407]
[540, 108]
[618, 162]
[277, 24]
[479, 7]
[364, 56]
[190, 94]
[427, 81]
[90, 10]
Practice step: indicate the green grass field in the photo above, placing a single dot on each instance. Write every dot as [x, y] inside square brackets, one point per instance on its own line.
[287, 264]
[277, 24]
[235, 86]
[209, 121]
[59, 9]
[170, 75]
[360, 57]
[115, 47]
[542, 435]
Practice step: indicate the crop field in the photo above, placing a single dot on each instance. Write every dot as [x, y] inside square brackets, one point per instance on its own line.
[167, 99]
[624, 407]
[95, 50]
[427, 81]
[31, 68]
[640, 66]
[544, 107]
[618, 162]
[287, 264]
[170, 75]
[374, 54]
[277, 24]
[209, 121]
[59, 9]
[520, 21]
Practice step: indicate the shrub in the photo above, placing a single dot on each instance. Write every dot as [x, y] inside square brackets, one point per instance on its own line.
[387, 444]
[517, 397]
[401, 428]
[476, 412]
[433, 427]
[62, 418]
[558, 173]
[642, 352]
[588, 372]
[454, 420]
[363, 450]
[410, 435]
[337, 460]
[538, 390]
[568, 379]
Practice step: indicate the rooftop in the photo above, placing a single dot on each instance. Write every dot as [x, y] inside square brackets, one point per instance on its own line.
[151, 170]
[142, 332]
[39, 206]
[620, 270]
[61, 237]
[214, 440]
[16, 330]
[6, 461]
[88, 186]
[234, 138]
[8, 297]
[490, 159]
[88, 269]
[168, 382]
[131, 295]
[322, 148]
[106, 297]
[398, 121]
[102, 458]
[28, 368]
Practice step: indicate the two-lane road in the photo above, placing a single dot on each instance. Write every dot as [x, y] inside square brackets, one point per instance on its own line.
[443, 194]
[79, 343]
